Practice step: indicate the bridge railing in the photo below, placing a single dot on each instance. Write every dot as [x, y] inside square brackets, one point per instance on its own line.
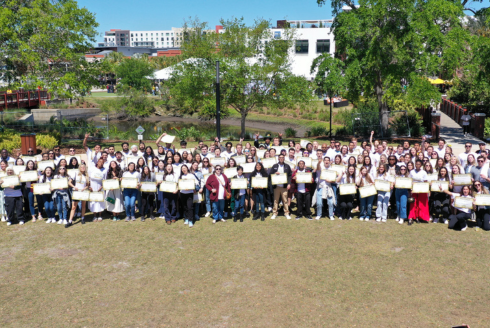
[455, 111]
[22, 98]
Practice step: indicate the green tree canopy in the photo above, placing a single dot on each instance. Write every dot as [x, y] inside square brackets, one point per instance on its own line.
[134, 73]
[44, 41]
[254, 66]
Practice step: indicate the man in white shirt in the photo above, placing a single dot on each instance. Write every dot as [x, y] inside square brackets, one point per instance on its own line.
[57, 155]
[356, 147]
[441, 150]
[125, 149]
[399, 152]
[92, 156]
[239, 151]
[204, 152]
[377, 155]
[228, 152]
[324, 150]
[463, 157]
[111, 155]
[331, 153]
[465, 119]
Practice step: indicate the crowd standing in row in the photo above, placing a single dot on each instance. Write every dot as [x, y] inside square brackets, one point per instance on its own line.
[419, 183]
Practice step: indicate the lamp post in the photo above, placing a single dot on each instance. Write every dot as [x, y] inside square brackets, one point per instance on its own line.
[218, 114]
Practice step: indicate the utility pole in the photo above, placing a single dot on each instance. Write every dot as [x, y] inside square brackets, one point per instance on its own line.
[218, 113]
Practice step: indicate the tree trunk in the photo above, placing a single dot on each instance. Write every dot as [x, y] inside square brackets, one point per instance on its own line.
[383, 107]
[244, 117]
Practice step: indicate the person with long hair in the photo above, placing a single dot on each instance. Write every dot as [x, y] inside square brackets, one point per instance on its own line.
[324, 190]
[302, 190]
[218, 184]
[239, 197]
[13, 200]
[97, 173]
[169, 205]
[346, 202]
[3, 208]
[28, 190]
[47, 199]
[62, 196]
[131, 194]
[114, 172]
[147, 198]
[148, 156]
[206, 170]
[462, 214]
[441, 202]
[420, 206]
[199, 194]
[187, 196]
[470, 163]
[401, 196]
[259, 193]
[383, 196]
[79, 181]
[365, 179]
[73, 163]
[482, 212]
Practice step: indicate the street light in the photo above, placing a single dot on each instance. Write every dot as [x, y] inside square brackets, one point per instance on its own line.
[218, 127]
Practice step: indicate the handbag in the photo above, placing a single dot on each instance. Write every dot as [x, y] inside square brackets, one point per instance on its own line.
[227, 194]
[110, 199]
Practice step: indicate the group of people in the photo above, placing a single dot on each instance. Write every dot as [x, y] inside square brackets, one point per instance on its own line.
[409, 183]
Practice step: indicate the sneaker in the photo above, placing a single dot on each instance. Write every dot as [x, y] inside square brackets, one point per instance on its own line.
[65, 221]
[350, 218]
[383, 220]
[69, 224]
[114, 219]
[332, 218]
[21, 222]
[9, 223]
[60, 221]
[273, 217]
[152, 218]
[309, 217]
[186, 221]
[47, 221]
[100, 219]
[317, 218]
[298, 217]
[214, 221]
[288, 217]
[463, 229]
[269, 209]
[207, 214]
[127, 219]
[397, 219]
[133, 218]
[436, 220]
[191, 224]
[446, 221]
[378, 220]
[366, 219]
[361, 219]
[223, 220]
[4, 219]
[400, 221]
[53, 220]
[142, 219]
[161, 217]
[340, 218]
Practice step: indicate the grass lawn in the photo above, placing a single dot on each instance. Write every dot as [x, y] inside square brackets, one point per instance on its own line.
[254, 274]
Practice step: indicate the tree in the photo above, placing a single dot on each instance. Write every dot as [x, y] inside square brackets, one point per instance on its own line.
[389, 44]
[134, 73]
[254, 68]
[44, 40]
[329, 78]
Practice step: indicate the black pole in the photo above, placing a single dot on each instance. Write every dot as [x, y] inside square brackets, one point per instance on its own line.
[218, 114]
[331, 117]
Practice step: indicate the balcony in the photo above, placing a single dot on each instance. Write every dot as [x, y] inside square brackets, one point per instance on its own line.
[324, 23]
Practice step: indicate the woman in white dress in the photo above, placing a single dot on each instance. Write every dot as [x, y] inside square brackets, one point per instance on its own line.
[79, 181]
[114, 172]
[97, 173]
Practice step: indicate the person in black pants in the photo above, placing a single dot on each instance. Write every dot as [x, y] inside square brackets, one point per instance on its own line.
[482, 212]
[462, 214]
[441, 203]
[303, 196]
[13, 200]
[346, 202]
[147, 198]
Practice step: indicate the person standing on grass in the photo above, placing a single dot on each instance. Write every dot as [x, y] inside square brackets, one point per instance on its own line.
[187, 196]
[401, 196]
[47, 199]
[302, 190]
[97, 173]
[365, 179]
[324, 190]
[281, 190]
[28, 191]
[130, 194]
[114, 172]
[197, 196]
[169, 203]
[462, 214]
[13, 200]
[218, 184]
[239, 197]
[482, 212]
[420, 205]
[259, 193]
[62, 198]
[383, 196]
[346, 202]
[147, 198]
[79, 181]
[441, 202]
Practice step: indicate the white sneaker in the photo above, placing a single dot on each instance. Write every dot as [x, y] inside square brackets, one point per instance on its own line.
[214, 221]
[383, 220]
[273, 217]
[207, 214]
[186, 221]
[53, 220]
[223, 220]
[378, 220]
[60, 221]
[269, 209]
[21, 222]
[317, 218]
[9, 223]
[65, 221]
[288, 217]
[4, 219]
[340, 218]
[397, 219]
[464, 228]
[332, 218]
[361, 219]
[366, 219]
[400, 221]
[48, 220]
[446, 222]
[350, 218]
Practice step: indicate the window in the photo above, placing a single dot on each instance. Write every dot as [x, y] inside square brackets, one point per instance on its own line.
[323, 46]
[151, 34]
[277, 35]
[146, 34]
[301, 46]
[167, 34]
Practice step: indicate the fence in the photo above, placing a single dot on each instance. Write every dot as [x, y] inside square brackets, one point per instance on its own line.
[365, 122]
[69, 127]
[22, 98]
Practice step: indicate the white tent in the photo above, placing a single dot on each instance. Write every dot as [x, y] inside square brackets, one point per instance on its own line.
[166, 73]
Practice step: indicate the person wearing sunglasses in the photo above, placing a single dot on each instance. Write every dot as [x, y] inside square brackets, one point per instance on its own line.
[218, 185]
[463, 157]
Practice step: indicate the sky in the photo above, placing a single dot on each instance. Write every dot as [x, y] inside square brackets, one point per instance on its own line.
[163, 15]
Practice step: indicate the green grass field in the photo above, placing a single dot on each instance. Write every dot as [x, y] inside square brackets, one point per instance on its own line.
[253, 274]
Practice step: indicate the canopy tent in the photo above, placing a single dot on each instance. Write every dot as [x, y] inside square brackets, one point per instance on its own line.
[166, 73]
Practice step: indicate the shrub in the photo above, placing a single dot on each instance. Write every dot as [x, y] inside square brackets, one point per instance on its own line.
[325, 117]
[307, 133]
[342, 131]
[318, 131]
[487, 127]
[290, 132]
[400, 127]
[46, 141]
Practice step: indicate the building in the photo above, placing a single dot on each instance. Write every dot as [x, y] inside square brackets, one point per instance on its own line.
[314, 37]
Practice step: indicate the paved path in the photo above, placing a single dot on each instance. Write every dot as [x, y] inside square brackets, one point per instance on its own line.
[453, 134]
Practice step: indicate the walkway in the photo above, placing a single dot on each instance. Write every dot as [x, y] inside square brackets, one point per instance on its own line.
[452, 132]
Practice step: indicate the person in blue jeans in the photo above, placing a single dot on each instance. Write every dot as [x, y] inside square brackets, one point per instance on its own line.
[363, 180]
[401, 196]
[62, 197]
[325, 190]
[239, 197]
[130, 194]
[218, 184]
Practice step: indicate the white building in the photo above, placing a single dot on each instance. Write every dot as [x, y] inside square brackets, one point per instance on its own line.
[147, 39]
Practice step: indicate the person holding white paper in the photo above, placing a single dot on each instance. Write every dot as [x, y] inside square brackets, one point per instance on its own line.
[281, 190]
[28, 193]
[3, 209]
[441, 201]
[346, 202]
[62, 197]
[13, 200]
[365, 179]
[383, 196]
[97, 173]
[303, 196]
[114, 198]
[47, 199]
[420, 206]
[482, 212]
[131, 194]
[147, 198]
[462, 214]
[239, 197]
[169, 207]
[324, 190]
[259, 193]
[187, 196]
[219, 185]
[79, 182]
